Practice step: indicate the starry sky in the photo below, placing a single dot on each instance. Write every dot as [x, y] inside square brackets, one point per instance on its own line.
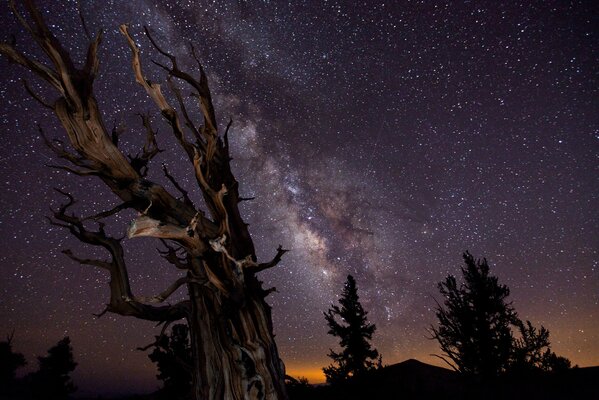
[379, 139]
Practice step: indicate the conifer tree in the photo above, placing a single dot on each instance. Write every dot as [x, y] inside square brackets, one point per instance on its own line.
[477, 324]
[52, 380]
[354, 331]
[474, 324]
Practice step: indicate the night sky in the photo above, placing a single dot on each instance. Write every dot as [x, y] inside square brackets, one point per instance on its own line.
[380, 140]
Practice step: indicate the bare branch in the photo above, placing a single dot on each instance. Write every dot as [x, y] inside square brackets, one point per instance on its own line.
[101, 314]
[9, 50]
[82, 19]
[92, 63]
[149, 151]
[188, 122]
[96, 263]
[122, 301]
[261, 267]
[211, 163]
[170, 255]
[162, 296]
[57, 147]
[79, 172]
[210, 126]
[70, 202]
[20, 18]
[40, 69]
[183, 192]
[153, 90]
[158, 338]
[164, 53]
[108, 213]
[267, 292]
[226, 136]
[35, 96]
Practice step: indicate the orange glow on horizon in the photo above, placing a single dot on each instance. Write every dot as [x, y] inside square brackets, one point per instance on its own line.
[314, 374]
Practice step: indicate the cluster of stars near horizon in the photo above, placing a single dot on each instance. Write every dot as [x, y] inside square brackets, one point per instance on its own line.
[379, 140]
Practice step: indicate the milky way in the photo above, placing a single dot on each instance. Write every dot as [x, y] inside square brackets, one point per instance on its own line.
[378, 140]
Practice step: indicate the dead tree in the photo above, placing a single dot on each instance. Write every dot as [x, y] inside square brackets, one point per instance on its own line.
[234, 352]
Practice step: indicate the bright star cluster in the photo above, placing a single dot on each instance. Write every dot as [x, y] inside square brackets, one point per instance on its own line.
[378, 139]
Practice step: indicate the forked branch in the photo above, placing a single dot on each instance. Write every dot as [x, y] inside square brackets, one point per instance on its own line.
[140, 162]
[176, 184]
[155, 92]
[165, 294]
[122, 301]
[170, 255]
[271, 263]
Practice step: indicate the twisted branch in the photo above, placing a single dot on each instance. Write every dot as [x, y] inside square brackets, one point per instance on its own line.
[122, 301]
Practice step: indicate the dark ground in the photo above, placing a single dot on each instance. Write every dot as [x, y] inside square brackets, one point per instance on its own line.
[413, 379]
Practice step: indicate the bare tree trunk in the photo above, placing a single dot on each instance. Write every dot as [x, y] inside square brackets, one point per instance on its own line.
[236, 360]
[234, 353]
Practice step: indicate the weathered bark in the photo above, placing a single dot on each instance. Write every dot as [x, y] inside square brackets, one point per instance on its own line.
[234, 353]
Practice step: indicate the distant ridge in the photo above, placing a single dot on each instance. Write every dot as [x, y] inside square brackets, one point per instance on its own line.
[415, 380]
[414, 366]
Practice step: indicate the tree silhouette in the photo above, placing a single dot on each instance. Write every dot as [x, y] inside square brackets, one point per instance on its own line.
[52, 380]
[532, 351]
[476, 328]
[172, 355]
[474, 324]
[354, 332]
[9, 363]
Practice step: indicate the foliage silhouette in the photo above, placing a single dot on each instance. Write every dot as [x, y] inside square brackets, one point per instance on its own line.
[172, 355]
[532, 351]
[10, 361]
[354, 332]
[476, 328]
[474, 325]
[52, 380]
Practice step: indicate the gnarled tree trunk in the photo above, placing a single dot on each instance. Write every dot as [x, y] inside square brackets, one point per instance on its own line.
[234, 353]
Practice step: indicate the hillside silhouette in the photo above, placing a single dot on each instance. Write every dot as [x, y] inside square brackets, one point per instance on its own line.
[413, 379]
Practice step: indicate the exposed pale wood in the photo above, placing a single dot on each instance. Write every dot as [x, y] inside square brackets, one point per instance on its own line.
[145, 226]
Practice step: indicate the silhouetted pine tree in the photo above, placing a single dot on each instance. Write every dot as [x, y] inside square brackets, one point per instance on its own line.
[9, 363]
[52, 380]
[172, 355]
[354, 332]
[474, 323]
